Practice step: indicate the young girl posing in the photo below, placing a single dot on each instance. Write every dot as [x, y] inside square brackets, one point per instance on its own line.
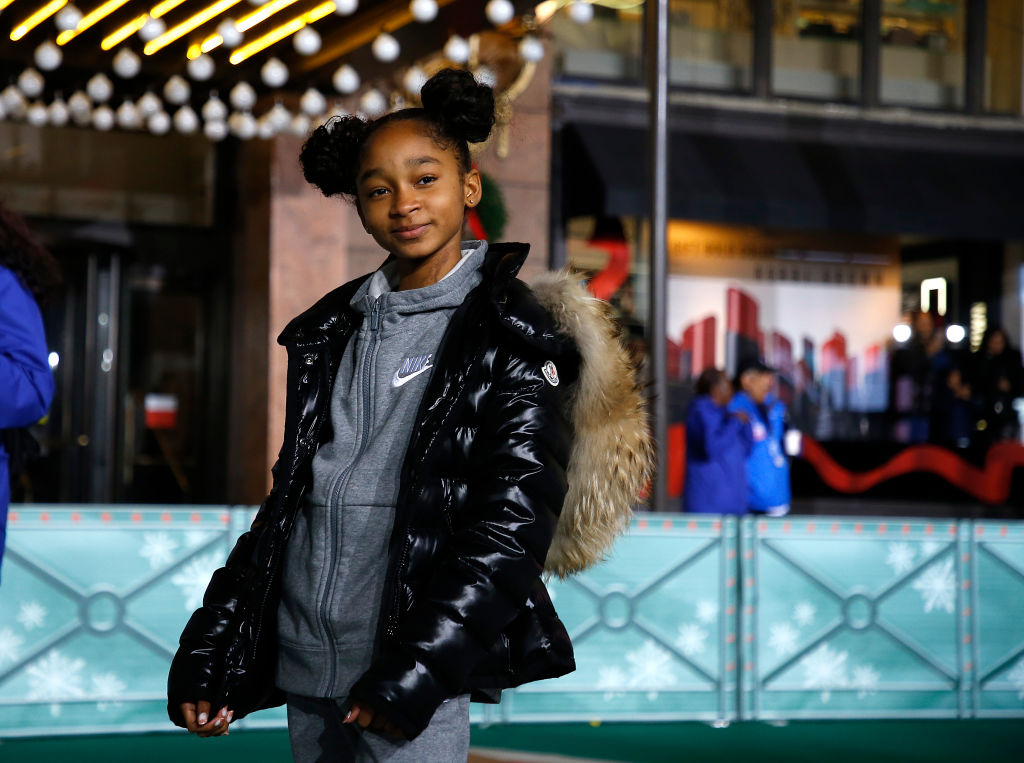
[451, 435]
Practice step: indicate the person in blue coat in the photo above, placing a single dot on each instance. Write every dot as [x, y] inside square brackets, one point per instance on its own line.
[767, 466]
[28, 273]
[717, 444]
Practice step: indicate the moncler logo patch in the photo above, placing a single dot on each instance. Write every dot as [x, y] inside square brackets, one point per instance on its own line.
[411, 368]
[550, 373]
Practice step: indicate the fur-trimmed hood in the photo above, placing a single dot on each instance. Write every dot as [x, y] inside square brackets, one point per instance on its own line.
[612, 459]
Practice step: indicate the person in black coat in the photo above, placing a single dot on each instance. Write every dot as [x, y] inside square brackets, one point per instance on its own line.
[997, 379]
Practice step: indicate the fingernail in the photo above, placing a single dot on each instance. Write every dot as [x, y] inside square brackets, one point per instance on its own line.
[348, 716]
[218, 722]
[231, 715]
[202, 718]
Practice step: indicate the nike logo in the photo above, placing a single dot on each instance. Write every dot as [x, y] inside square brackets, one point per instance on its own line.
[411, 368]
[398, 381]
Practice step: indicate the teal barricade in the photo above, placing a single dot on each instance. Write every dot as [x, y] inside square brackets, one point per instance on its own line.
[699, 618]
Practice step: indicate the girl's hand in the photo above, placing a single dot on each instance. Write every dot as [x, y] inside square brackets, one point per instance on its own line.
[366, 718]
[198, 721]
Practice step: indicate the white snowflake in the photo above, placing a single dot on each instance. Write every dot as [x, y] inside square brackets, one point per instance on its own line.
[193, 578]
[803, 613]
[651, 666]
[782, 638]
[930, 548]
[195, 538]
[825, 669]
[613, 680]
[937, 585]
[10, 645]
[158, 548]
[707, 611]
[32, 615]
[865, 680]
[1016, 677]
[107, 687]
[691, 639]
[900, 557]
[55, 677]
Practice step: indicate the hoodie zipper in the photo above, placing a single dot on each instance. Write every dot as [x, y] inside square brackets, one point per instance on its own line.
[376, 318]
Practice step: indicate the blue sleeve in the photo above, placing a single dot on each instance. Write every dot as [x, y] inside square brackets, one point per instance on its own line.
[720, 429]
[26, 384]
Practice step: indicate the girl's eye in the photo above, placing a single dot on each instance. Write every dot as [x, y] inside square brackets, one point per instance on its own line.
[378, 192]
[426, 179]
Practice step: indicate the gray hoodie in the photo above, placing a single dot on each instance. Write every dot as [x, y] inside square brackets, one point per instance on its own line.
[336, 558]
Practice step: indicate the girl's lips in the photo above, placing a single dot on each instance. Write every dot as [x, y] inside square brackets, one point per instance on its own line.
[408, 233]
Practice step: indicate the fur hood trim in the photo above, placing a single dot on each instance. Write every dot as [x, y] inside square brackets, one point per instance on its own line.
[612, 458]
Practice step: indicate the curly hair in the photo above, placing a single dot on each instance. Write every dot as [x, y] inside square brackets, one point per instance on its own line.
[23, 255]
[457, 111]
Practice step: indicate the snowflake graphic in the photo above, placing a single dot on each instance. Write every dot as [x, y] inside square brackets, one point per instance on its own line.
[193, 578]
[865, 680]
[10, 645]
[651, 666]
[930, 548]
[107, 687]
[707, 611]
[691, 639]
[1016, 677]
[803, 613]
[613, 680]
[900, 557]
[32, 615]
[937, 586]
[782, 638]
[195, 538]
[825, 669]
[158, 548]
[55, 677]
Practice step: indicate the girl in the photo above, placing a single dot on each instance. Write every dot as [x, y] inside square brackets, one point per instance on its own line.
[28, 275]
[451, 434]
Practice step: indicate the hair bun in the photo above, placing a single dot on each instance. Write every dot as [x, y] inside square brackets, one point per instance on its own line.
[330, 156]
[461, 105]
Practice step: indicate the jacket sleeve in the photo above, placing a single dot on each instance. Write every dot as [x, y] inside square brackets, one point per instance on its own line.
[721, 429]
[26, 384]
[195, 672]
[495, 554]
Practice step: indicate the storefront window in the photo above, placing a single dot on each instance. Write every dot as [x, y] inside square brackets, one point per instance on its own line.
[923, 53]
[815, 49]
[1003, 59]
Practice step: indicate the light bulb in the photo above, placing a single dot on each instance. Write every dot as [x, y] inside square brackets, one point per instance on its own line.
[31, 83]
[373, 103]
[229, 33]
[152, 29]
[274, 73]
[100, 88]
[243, 125]
[48, 56]
[148, 105]
[300, 125]
[499, 12]
[385, 48]
[345, 79]
[201, 67]
[126, 63]
[265, 129]
[242, 96]
[127, 116]
[37, 115]
[456, 49]
[215, 130]
[59, 112]
[79, 103]
[485, 76]
[159, 123]
[214, 110]
[103, 118]
[312, 102]
[531, 49]
[307, 41]
[581, 12]
[177, 90]
[185, 120]
[423, 11]
[345, 7]
[414, 80]
[67, 18]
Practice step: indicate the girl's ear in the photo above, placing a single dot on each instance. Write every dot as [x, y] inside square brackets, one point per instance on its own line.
[472, 187]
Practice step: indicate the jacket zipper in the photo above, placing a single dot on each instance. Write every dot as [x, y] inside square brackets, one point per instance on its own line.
[342, 480]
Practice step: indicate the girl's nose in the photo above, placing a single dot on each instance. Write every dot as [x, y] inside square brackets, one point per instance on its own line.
[404, 201]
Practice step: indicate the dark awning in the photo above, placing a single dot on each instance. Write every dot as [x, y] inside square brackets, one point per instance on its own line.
[778, 171]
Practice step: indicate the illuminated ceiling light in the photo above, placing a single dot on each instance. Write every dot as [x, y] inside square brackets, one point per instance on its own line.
[499, 12]
[262, 13]
[89, 19]
[37, 18]
[194, 51]
[581, 12]
[67, 19]
[229, 33]
[279, 33]
[188, 25]
[545, 10]
[124, 32]
[166, 6]
[5, 3]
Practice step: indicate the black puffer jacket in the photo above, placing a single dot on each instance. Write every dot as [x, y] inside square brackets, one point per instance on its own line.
[483, 482]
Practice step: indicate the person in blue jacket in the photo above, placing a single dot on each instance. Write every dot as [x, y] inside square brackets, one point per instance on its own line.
[28, 273]
[717, 444]
[767, 465]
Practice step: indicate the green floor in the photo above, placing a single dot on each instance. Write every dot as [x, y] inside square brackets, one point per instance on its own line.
[831, 742]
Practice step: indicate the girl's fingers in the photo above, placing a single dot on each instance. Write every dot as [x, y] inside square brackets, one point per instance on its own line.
[188, 710]
[204, 712]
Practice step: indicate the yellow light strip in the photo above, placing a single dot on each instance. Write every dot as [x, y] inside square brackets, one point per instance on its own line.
[5, 3]
[37, 18]
[124, 32]
[263, 12]
[188, 25]
[279, 33]
[89, 19]
[166, 6]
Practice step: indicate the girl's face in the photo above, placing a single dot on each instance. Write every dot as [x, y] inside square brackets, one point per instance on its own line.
[411, 195]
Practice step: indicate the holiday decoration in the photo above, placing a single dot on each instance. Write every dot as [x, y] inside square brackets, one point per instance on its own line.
[456, 50]
[423, 11]
[48, 56]
[127, 116]
[214, 110]
[312, 102]
[499, 12]
[152, 29]
[307, 41]
[31, 83]
[177, 90]
[385, 48]
[345, 79]
[242, 96]
[59, 112]
[201, 68]
[159, 123]
[126, 63]
[581, 12]
[185, 120]
[148, 105]
[345, 7]
[215, 130]
[531, 49]
[414, 80]
[229, 33]
[67, 18]
[100, 88]
[103, 118]
[274, 73]
[373, 103]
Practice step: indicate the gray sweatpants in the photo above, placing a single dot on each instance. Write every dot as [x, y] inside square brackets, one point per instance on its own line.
[318, 735]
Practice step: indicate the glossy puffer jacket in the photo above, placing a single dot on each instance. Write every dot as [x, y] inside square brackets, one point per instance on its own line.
[528, 451]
